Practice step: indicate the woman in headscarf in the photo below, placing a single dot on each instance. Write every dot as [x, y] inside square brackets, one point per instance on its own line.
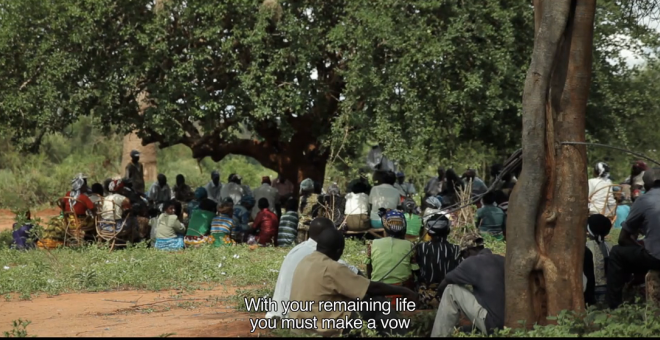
[333, 205]
[169, 229]
[199, 225]
[383, 254]
[309, 204]
[413, 220]
[201, 201]
[433, 207]
[436, 258]
[77, 221]
[601, 199]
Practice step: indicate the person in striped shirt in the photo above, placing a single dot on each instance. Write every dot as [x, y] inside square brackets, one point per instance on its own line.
[223, 224]
[435, 258]
[288, 230]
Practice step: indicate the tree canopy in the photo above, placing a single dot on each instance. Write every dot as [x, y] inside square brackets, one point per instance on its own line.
[305, 79]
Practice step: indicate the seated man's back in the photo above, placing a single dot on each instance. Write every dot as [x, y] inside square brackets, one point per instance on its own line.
[319, 278]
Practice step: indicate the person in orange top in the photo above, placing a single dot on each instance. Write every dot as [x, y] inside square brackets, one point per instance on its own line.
[265, 224]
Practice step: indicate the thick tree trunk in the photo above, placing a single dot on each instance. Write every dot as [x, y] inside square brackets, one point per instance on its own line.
[548, 207]
[148, 153]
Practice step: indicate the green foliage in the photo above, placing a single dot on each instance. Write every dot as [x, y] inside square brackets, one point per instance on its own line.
[19, 329]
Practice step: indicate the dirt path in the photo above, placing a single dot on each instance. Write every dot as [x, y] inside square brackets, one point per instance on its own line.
[7, 217]
[206, 313]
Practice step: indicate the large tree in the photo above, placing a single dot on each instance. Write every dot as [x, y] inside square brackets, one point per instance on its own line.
[548, 207]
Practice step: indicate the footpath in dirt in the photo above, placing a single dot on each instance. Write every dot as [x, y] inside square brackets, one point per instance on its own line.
[206, 313]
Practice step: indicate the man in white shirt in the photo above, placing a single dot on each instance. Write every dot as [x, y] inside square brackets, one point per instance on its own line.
[214, 187]
[383, 196]
[357, 208]
[233, 189]
[299, 252]
[268, 192]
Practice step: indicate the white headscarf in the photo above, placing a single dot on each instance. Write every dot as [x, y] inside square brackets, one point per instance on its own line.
[76, 184]
[603, 170]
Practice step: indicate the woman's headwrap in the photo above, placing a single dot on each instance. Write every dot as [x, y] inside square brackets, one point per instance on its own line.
[247, 199]
[394, 221]
[115, 185]
[76, 184]
[437, 223]
[200, 193]
[409, 205]
[602, 169]
[434, 202]
[307, 185]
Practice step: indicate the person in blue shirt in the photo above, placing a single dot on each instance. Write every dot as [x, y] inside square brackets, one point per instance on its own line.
[622, 210]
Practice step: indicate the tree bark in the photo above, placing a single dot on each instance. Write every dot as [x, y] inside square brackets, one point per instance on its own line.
[548, 206]
[148, 153]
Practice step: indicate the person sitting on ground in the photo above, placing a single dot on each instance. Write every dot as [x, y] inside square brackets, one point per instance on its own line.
[383, 196]
[478, 185]
[384, 254]
[319, 277]
[484, 305]
[413, 221]
[288, 229]
[266, 223]
[182, 191]
[490, 218]
[159, 192]
[199, 226]
[242, 218]
[268, 192]
[436, 258]
[333, 205]
[622, 209]
[214, 187]
[406, 189]
[454, 185]
[436, 185]
[22, 237]
[97, 194]
[223, 224]
[601, 200]
[233, 189]
[356, 209]
[169, 229]
[201, 201]
[309, 205]
[628, 256]
[598, 227]
[115, 208]
[296, 254]
[284, 188]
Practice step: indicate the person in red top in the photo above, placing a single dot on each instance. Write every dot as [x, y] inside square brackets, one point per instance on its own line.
[79, 203]
[265, 224]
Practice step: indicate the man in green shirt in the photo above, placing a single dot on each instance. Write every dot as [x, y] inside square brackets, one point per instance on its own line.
[384, 254]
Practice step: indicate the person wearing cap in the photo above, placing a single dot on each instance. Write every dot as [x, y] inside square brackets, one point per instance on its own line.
[135, 172]
[214, 187]
[233, 189]
[436, 258]
[484, 305]
[601, 199]
[308, 210]
[266, 191]
[629, 256]
[406, 189]
[384, 254]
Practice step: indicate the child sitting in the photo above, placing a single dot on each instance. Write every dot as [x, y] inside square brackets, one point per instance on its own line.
[599, 226]
[490, 218]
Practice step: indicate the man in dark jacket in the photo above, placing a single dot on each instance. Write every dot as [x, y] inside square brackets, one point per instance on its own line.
[484, 306]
